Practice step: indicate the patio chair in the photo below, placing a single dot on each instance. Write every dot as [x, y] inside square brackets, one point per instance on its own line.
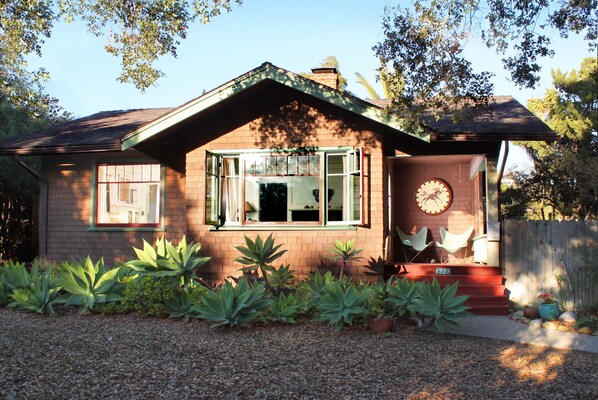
[415, 242]
[452, 242]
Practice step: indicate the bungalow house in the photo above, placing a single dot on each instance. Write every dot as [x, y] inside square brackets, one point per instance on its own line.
[272, 152]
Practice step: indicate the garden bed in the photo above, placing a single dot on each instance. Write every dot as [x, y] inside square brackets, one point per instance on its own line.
[137, 357]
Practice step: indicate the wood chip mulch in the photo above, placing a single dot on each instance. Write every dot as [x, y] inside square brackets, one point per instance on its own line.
[136, 357]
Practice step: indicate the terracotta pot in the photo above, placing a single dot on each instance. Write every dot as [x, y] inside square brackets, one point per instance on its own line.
[549, 312]
[380, 325]
[531, 312]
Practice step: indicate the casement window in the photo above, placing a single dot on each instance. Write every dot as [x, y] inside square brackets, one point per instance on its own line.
[249, 189]
[128, 195]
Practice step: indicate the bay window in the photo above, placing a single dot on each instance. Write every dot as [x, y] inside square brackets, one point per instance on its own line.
[249, 189]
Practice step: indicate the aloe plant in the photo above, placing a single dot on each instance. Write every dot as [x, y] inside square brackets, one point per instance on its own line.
[234, 305]
[185, 304]
[346, 252]
[284, 309]
[314, 287]
[38, 293]
[441, 304]
[259, 254]
[340, 306]
[87, 284]
[402, 294]
[164, 260]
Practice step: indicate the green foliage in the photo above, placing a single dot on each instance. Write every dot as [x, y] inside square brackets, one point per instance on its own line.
[234, 305]
[440, 304]
[87, 283]
[423, 46]
[312, 289]
[346, 252]
[281, 279]
[185, 304]
[562, 184]
[14, 275]
[376, 304]
[148, 295]
[340, 306]
[259, 254]
[284, 309]
[139, 33]
[38, 293]
[164, 260]
[402, 294]
[587, 322]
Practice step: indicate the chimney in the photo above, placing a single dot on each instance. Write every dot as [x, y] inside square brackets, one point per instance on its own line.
[326, 76]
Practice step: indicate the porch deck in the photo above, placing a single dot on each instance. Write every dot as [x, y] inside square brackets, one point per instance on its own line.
[483, 284]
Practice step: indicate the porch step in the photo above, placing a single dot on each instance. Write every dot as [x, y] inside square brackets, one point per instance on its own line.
[483, 284]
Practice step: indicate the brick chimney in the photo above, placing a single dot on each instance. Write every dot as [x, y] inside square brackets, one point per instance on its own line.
[326, 76]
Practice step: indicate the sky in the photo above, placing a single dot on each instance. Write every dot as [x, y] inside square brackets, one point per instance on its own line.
[294, 35]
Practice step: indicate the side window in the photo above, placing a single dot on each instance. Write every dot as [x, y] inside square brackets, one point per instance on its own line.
[212, 199]
[344, 182]
[128, 195]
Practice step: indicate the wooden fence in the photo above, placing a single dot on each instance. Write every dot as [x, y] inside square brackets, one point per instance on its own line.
[544, 255]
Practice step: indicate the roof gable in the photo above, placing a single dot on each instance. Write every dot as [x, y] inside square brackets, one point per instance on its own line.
[266, 72]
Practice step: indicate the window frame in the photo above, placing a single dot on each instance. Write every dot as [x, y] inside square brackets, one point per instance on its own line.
[95, 192]
[216, 219]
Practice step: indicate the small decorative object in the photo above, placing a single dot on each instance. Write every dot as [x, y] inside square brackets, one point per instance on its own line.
[380, 324]
[434, 196]
[548, 308]
[530, 312]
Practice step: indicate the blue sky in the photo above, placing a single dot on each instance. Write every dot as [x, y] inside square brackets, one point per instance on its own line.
[295, 35]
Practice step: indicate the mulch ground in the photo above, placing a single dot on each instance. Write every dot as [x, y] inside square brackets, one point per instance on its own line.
[135, 357]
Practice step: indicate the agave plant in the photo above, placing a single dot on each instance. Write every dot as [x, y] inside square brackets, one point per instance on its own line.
[346, 252]
[185, 304]
[314, 287]
[281, 278]
[37, 294]
[87, 283]
[13, 275]
[402, 294]
[234, 305]
[340, 306]
[259, 254]
[284, 309]
[165, 260]
[441, 304]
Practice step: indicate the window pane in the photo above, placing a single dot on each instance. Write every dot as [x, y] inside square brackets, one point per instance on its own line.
[336, 164]
[292, 165]
[271, 166]
[303, 165]
[336, 189]
[314, 165]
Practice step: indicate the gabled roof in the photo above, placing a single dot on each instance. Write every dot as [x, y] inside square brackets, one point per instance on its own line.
[150, 129]
[265, 72]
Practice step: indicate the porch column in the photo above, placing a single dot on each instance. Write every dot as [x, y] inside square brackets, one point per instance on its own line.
[492, 210]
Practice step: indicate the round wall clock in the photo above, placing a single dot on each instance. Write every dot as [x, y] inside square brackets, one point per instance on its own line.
[434, 196]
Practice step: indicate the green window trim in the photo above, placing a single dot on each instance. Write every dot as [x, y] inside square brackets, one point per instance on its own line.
[94, 226]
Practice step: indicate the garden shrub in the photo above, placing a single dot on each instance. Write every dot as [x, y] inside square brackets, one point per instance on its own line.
[147, 295]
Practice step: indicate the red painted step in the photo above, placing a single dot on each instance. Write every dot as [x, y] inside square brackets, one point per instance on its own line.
[483, 284]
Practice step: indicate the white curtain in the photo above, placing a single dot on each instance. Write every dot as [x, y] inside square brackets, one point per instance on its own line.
[230, 190]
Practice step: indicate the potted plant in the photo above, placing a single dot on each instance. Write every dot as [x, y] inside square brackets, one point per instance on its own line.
[380, 311]
[548, 308]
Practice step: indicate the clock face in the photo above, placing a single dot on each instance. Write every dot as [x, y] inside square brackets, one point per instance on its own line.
[434, 196]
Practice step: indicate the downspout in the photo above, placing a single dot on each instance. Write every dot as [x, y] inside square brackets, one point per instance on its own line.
[43, 206]
[503, 163]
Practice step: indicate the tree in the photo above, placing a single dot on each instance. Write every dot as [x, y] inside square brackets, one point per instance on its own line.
[138, 32]
[564, 180]
[423, 46]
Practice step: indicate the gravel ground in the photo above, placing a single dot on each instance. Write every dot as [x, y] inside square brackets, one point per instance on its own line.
[135, 357]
